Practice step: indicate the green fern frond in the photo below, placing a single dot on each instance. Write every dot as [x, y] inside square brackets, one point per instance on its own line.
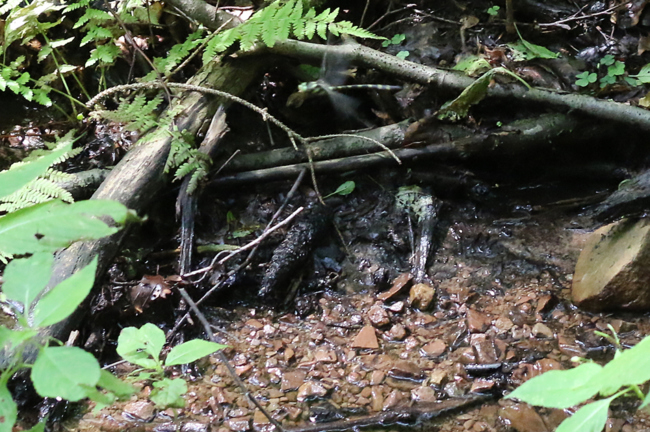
[137, 114]
[279, 21]
[46, 186]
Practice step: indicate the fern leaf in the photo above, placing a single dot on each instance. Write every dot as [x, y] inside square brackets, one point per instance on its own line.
[248, 39]
[310, 29]
[321, 30]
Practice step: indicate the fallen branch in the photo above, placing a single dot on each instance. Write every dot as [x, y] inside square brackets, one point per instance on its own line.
[427, 75]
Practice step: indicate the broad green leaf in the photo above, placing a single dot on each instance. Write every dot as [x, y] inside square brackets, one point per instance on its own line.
[52, 225]
[191, 351]
[64, 371]
[590, 418]
[560, 389]
[64, 298]
[25, 278]
[12, 338]
[644, 74]
[168, 393]
[346, 188]
[141, 346]
[536, 51]
[113, 384]
[14, 179]
[8, 409]
[632, 366]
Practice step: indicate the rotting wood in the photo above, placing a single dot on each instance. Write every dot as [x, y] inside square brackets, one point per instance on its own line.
[517, 137]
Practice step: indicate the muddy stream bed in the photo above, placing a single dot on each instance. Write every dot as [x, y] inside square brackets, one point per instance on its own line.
[349, 346]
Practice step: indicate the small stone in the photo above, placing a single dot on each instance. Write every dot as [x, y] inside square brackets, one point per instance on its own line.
[253, 323]
[540, 329]
[142, 410]
[484, 349]
[259, 419]
[437, 376]
[323, 355]
[480, 385]
[392, 400]
[421, 296]
[366, 392]
[406, 370]
[396, 307]
[423, 394]
[376, 377]
[366, 338]
[400, 282]
[434, 348]
[523, 418]
[477, 322]
[288, 354]
[377, 398]
[503, 325]
[239, 424]
[310, 389]
[396, 332]
[378, 316]
[292, 380]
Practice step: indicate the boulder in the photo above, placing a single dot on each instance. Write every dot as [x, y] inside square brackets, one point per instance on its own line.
[613, 270]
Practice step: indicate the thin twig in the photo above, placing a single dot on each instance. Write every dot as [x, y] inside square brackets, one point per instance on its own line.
[225, 360]
[250, 245]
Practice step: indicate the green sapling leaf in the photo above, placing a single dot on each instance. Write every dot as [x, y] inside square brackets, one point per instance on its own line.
[25, 278]
[141, 346]
[113, 384]
[630, 367]
[8, 409]
[64, 298]
[346, 188]
[191, 351]
[590, 418]
[53, 225]
[168, 393]
[65, 372]
[560, 389]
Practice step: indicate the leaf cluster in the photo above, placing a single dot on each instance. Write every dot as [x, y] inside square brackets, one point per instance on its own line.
[36, 232]
[564, 389]
[279, 21]
[143, 347]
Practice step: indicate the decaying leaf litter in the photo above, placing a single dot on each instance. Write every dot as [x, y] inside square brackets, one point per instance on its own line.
[492, 308]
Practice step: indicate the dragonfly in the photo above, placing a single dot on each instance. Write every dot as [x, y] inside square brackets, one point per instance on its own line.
[330, 84]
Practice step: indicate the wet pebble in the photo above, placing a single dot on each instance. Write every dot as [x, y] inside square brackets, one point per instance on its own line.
[423, 394]
[406, 370]
[239, 424]
[542, 330]
[139, 410]
[434, 348]
[293, 379]
[366, 338]
[523, 418]
[378, 316]
[400, 282]
[310, 389]
[376, 377]
[392, 400]
[477, 322]
[421, 296]
[323, 355]
[396, 332]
